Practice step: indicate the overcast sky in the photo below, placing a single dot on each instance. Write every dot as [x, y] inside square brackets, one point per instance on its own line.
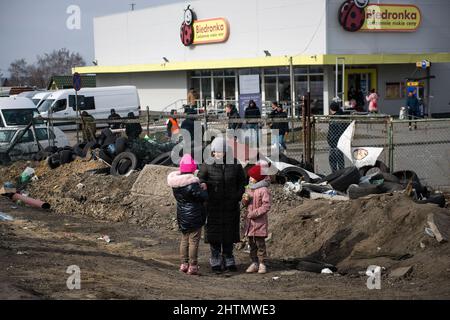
[32, 27]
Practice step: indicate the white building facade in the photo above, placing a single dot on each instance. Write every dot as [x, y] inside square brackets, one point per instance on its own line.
[292, 45]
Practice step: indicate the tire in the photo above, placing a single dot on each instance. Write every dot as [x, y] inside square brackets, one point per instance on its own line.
[78, 149]
[405, 176]
[65, 156]
[104, 156]
[53, 161]
[438, 199]
[314, 266]
[109, 140]
[295, 174]
[390, 178]
[121, 145]
[40, 155]
[162, 159]
[342, 179]
[283, 158]
[117, 166]
[357, 191]
[89, 146]
[388, 187]
[51, 150]
[378, 164]
[373, 171]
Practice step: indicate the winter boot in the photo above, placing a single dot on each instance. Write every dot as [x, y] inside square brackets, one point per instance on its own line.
[216, 263]
[184, 267]
[252, 268]
[262, 268]
[193, 270]
[230, 264]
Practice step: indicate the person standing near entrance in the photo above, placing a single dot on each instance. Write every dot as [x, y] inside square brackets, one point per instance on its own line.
[172, 124]
[225, 183]
[282, 127]
[335, 131]
[372, 99]
[192, 98]
[412, 107]
[252, 112]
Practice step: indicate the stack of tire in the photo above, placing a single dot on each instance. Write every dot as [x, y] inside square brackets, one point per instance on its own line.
[376, 179]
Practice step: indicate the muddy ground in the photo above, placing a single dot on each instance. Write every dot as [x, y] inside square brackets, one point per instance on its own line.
[141, 262]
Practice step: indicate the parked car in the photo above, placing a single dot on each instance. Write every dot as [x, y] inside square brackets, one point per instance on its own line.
[97, 101]
[28, 144]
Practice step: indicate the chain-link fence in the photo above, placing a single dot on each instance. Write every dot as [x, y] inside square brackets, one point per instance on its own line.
[423, 147]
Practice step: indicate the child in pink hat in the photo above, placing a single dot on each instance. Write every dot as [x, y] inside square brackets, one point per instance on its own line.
[191, 213]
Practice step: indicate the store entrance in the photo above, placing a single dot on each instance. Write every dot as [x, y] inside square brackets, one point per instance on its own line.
[358, 84]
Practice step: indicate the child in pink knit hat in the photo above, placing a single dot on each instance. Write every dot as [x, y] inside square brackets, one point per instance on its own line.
[191, 213]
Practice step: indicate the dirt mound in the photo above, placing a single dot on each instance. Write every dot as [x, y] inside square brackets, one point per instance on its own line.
[78, 188]
[387, 230]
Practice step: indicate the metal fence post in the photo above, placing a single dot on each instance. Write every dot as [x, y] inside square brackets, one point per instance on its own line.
[391, 144]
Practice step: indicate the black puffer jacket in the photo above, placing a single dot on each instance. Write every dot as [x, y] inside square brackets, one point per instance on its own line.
[335, 130]
[226, 183]
[191, 214]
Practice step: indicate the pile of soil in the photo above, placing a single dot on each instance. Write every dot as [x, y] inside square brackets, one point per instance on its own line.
[385, 230]
[80, 187]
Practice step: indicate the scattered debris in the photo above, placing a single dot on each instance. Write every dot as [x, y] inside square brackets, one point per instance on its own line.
[105, 238]
[430, 232]
[401, 272]
[440, 226]
[80, 186]
[326, 271]
[30, 201]
[275, 278]
[5, 217]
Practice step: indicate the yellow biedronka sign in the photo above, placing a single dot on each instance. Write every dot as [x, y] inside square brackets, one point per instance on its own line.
[391, 17]
[211, 31]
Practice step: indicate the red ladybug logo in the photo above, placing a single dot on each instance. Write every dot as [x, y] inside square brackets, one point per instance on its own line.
[186, 34]
[352, 15]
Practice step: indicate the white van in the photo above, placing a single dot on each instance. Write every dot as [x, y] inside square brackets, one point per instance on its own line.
[96, 101]
[39, 97]
[15, 114]
[17, 111]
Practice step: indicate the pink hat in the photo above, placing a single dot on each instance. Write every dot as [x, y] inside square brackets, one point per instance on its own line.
[187, 164]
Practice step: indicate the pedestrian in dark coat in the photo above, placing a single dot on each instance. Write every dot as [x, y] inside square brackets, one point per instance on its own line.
[133, 130]
[225, 184]
[232, 113]
[191, 214]
[114, 116]
[412, 105]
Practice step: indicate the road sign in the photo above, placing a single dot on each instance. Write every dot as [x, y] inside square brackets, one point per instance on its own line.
[76, 81]
[424, 64]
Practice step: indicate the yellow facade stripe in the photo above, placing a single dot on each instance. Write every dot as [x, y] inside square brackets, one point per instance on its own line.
[329, 59]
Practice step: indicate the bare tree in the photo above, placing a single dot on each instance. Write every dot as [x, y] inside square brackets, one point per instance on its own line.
[58, 62]
[19, 73]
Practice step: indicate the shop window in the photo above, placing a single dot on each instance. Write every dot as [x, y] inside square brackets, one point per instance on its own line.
[301, 86]
[229, 73]
[316, 89]
[284, 88]
[218, 73]
[196, 73]
[300, 70]
[230, 88]
[284, 70]
[249, 71]
[270, 71]
[270, 87]
[314, 69]
[205, 73]
[394, 90]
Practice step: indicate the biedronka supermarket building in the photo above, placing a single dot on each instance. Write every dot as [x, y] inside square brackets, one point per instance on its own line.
[266, 50]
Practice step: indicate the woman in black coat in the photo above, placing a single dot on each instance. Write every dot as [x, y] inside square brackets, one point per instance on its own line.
[225, 183]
